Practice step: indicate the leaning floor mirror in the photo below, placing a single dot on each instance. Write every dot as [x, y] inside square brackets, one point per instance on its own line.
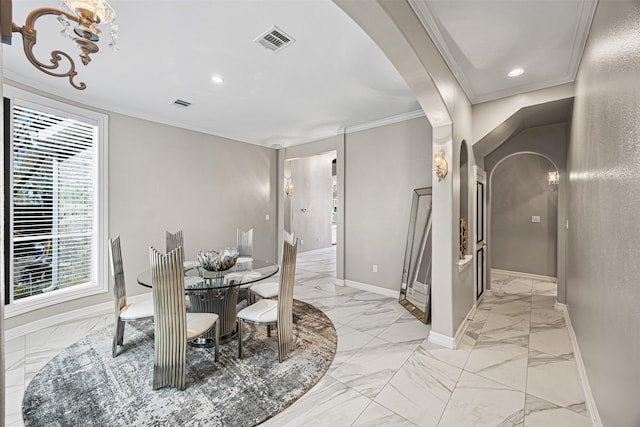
[415, 290]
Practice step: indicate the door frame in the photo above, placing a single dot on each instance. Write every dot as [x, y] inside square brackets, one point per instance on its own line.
[480, 234]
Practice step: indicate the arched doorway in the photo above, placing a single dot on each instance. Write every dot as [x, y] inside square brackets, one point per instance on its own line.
[523, 216]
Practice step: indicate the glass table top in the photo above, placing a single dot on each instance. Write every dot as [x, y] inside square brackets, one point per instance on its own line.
[246, 270]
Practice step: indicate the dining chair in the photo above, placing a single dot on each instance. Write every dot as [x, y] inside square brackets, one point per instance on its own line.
[269, 289]
[174, 327]
[125, 312]
[275, 312]
[244, 241]
[288, 237]
[173, 240]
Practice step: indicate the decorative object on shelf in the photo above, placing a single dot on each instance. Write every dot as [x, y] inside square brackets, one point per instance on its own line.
[288, 187]
[218, 260]
[440, 165]
[553, 178]
[463, 238]
[89, 15]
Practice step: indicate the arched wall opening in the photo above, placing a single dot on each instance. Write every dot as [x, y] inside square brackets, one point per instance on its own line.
[524, 215]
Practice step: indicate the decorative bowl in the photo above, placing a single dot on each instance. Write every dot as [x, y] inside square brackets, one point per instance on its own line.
[218, 260]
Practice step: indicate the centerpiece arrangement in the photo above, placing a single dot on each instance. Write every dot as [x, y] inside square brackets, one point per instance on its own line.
[221, 260]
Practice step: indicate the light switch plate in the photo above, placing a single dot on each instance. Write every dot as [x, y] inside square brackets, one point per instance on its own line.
[535, 218]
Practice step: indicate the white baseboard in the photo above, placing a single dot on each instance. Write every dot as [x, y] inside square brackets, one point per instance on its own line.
[527, 275]
[442, 340]
[588, 395]
[370, 288]
[452, 343]
[81, 313]
[340, 282]
[462, 329]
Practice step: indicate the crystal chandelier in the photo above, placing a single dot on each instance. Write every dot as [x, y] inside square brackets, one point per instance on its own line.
[87, 16]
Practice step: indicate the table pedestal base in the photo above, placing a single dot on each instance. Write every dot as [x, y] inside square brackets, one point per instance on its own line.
[220, 301]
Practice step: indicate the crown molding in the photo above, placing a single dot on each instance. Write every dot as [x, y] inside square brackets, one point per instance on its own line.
[383, 122]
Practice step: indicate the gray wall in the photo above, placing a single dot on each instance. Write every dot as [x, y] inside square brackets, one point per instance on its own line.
[311, 201]
[382, 167]
[603, 284]
[162, 177]
[551, 142]
[520, 190]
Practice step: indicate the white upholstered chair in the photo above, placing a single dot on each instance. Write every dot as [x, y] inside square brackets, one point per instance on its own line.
[270, 289]
[275, 312]
[174, 327]
[125, 312]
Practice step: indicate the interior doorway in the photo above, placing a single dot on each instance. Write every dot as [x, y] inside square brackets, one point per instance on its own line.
[311, 201]
[334, 202]
[523, 216]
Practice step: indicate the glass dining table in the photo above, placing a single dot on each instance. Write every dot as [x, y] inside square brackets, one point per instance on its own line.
[217, 292]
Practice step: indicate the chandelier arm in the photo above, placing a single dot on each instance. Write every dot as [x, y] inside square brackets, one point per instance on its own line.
[28, 32]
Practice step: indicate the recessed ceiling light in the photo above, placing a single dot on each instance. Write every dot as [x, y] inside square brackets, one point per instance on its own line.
[515, 72]
[217, 79]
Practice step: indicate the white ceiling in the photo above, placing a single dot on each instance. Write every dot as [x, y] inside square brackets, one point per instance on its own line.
[482, 40]
[332, 77]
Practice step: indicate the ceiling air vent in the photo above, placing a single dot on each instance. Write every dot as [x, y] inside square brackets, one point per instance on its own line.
[275, 39]
[180, 103]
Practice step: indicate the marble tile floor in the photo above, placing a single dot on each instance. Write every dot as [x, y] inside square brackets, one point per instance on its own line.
[514, 367]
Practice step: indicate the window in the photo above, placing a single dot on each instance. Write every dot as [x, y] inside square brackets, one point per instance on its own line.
[55, 185]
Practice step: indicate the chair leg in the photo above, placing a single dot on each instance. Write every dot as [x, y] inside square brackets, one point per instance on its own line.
[217, 340]
[239, 338]
[118, 336]
[268, 330]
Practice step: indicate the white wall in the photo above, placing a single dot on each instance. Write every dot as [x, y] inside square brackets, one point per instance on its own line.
[163, 177]
[489, 115]
[603, 273]
[382, 168]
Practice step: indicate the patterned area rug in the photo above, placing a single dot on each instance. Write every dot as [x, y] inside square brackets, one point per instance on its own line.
[85, 386]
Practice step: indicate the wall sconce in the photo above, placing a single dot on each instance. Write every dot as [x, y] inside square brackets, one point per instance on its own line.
[288, 188]
[440, 165]
[87, 14]
[553, 178]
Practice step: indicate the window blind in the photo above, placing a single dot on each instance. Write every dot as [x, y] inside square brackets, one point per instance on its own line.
[54, 217]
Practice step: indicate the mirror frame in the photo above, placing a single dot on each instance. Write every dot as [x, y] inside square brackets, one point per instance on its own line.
[409, 272]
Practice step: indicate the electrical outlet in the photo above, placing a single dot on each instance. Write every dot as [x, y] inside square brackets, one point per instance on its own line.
[301, 242]
[375, 268]
[266, 218]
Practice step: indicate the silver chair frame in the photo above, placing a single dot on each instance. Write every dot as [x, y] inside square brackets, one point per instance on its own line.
[244, 241]
[170, 337]
[119, 293]
[284, 322]
[173, 241]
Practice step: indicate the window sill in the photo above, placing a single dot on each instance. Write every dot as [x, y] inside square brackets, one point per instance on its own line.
[53, 298]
